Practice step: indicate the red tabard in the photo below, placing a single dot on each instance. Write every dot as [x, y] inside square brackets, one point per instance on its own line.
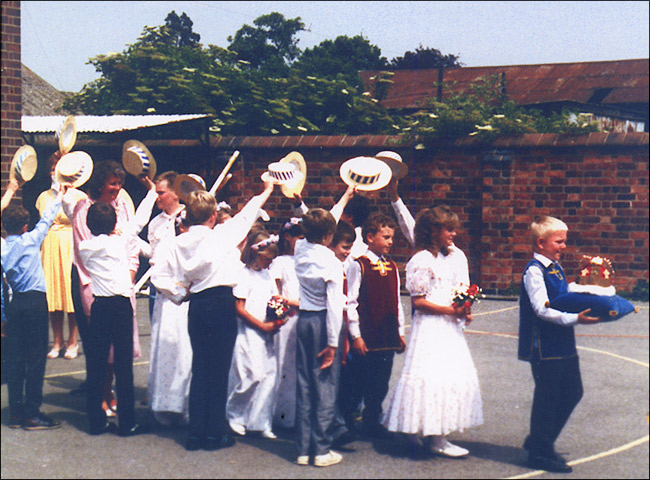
[378, 297]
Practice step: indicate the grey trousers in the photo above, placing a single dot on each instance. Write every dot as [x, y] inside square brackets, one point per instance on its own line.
[316, 389]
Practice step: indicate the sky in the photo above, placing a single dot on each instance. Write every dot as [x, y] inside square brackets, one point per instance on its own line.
[58, 38]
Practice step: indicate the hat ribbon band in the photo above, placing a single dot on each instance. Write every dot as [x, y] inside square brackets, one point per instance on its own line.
[362, 179]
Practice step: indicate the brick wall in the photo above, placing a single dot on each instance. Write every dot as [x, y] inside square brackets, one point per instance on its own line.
[597, 183]
[11, 88]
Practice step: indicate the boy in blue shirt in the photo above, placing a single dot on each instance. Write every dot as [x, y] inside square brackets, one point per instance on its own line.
[26, 326]
[547, 341]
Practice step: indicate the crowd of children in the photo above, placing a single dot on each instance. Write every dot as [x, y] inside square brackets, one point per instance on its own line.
[221, 366]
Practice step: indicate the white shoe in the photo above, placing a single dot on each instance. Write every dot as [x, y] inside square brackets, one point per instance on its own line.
[238, 428]
[330, 458]
[450, 450]
[302, 460]
[269, 434]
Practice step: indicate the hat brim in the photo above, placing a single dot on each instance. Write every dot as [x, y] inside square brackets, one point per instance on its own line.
[399, 169]
[290, 184]
[133, 163]
[289, 190]
[184, 185]
[24, 164]
[86, 170]
[68, 135]
[385, 175]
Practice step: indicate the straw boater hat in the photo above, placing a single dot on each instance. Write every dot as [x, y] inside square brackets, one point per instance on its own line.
[137, 159]
[74, 169]
[186, 184]
[24, 164]
[366, 173]
[285, 173]
[289, 189]
[66, 134]
[394, 161]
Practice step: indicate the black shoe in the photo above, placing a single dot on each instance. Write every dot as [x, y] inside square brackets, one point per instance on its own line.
[40, 422]
[107, 428]
[80, 390]
[133, 431]
[211, 443]
[550, 464]
[376, 431]
[16, 422]
[193, 444]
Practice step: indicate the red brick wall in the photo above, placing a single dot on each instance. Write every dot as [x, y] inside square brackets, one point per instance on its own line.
[11, 88]
[597, 184]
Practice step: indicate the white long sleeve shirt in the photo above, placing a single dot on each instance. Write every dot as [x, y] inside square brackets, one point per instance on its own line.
[320, 275]
[536, 289]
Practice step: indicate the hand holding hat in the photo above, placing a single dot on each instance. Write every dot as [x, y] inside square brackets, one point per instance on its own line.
[137, 159]
[74, 169]
[365, 173]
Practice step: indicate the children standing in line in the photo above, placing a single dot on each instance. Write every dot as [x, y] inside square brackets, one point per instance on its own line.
[547, 341]
[438, 390]
[26, 328]
[376, 326]
[283, 271]
[322, 302]
[252, 382]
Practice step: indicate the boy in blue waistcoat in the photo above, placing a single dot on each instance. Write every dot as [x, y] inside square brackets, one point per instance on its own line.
[547, 341]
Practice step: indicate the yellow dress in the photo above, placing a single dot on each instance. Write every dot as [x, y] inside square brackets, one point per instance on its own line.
[56, 255]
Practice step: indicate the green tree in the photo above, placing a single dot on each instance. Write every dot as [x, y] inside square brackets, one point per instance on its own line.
[424, 58]
[344, 56]
[270, 45]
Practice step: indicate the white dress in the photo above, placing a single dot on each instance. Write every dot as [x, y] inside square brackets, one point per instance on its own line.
[253, 371]
[438, 390]
[283, 269]
[170, 357]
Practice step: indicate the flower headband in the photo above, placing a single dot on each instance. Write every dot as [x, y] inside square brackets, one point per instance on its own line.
[265, 243]
[292, 223]
[222, 205]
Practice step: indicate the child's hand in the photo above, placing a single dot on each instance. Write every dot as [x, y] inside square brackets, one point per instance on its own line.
[327, 357]
[270, 327]
[402, 342]
[392, 189]
[585, 319]
[359, 346]
[297, 199]
[146, 181]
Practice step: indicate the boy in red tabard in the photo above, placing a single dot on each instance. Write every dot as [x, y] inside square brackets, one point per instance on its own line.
[376, 326]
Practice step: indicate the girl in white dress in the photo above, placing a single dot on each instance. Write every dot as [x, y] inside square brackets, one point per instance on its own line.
[283, 271]
[253, 372]
[438, 390]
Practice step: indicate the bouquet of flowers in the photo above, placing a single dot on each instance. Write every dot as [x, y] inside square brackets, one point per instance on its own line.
[466, 295]
[277, 309]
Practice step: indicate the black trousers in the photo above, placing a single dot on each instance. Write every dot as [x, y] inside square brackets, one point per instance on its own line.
[558, 390]
[26, 352]
[111, 323]
[365, 378]
[212, 326]
[79, 315]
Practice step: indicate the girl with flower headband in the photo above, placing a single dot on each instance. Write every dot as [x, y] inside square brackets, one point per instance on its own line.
[253, 371]
[283, 271]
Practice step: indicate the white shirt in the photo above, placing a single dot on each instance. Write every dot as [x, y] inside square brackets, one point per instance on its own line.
[106, 260]
[405, 220]
[202, 257]
[536, 289]
[320, 275]
[354, 278]
[162, 227]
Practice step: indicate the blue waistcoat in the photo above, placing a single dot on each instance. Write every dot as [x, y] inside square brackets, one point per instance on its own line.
[552, 341]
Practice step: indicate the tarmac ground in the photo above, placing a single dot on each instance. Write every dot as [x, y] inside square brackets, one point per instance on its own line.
[606, 437]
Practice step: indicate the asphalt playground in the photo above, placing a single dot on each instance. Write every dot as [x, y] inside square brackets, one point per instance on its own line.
[606, 437]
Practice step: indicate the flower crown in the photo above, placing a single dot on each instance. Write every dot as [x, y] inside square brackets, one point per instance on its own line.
[265, 243]
[292, 223]
[222, 206]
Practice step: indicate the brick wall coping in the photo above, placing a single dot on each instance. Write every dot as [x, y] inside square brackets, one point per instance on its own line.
[386, 141]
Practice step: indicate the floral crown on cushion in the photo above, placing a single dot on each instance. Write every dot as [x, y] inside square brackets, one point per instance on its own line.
[265, 243]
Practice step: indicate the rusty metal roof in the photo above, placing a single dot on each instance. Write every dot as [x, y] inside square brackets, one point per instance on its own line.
[609, 82]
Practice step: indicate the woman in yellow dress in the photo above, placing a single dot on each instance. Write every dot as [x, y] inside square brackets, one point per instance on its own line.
[56, 254]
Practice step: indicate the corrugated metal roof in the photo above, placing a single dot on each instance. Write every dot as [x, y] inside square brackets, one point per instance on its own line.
[627, 81]
[103, 124]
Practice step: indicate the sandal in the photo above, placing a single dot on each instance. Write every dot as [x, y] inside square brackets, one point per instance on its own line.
[55, 352]
[72, 351]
